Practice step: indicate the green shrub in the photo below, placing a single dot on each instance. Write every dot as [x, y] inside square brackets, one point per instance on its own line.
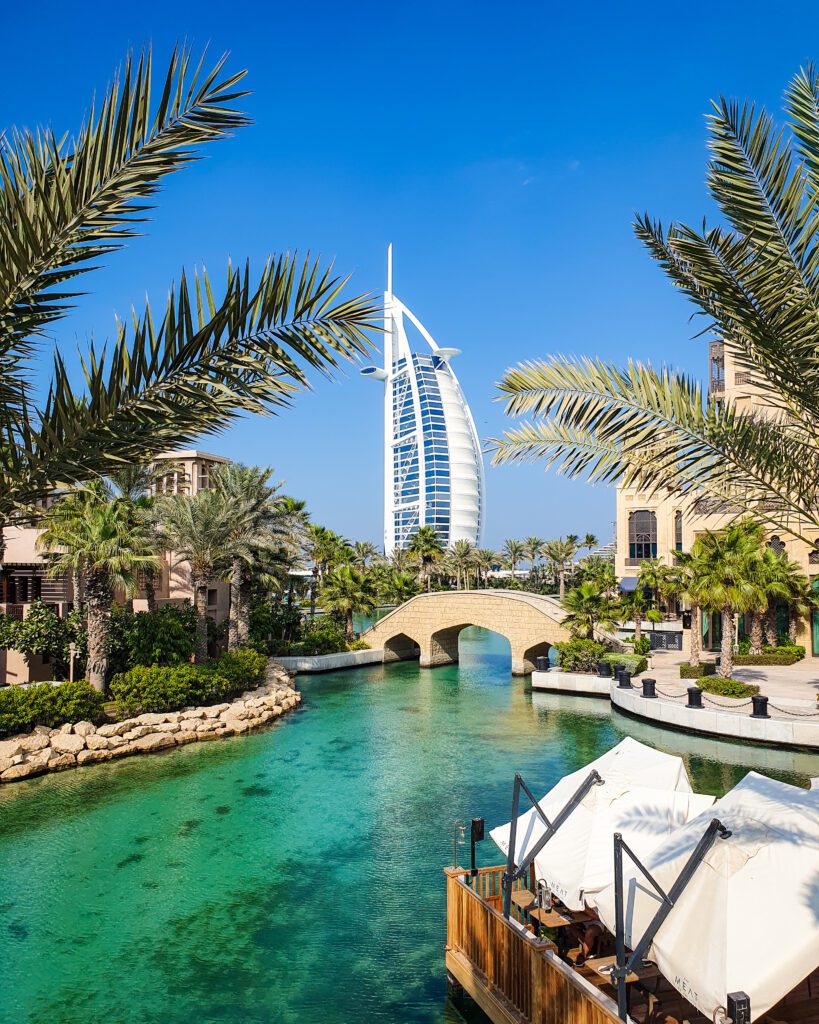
[321, 636]
[158, 688]
[23, 707]
[642, 645]
[797, 650]
[580, 655]
[744, 647]
[635, 663]
[765, 659]
[358, 645]
[166, 636]
[705, 668]
[728, 687]
[244, 667]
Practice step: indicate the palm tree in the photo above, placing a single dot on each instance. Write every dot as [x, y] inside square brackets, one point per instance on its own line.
[513, 552]
[653, 576]
[631, 607]
[560, 554]
[398, 587]
[727, 580]
[755, 279]
[599, 570]
[588, 608]
[347, 591]
[680, 583]
[66, 203]
[532, 546]
[107, 543]
[590, 541]
[259, 522]
[484, 560]
[427, 548]
[198, 530]
[461, 557]
[365, 552]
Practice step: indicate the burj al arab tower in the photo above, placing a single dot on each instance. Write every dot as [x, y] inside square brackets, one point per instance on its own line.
[433, 469]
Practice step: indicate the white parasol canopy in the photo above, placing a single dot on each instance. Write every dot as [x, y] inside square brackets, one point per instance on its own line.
[814, 783]
[748, 920]
[645, 795]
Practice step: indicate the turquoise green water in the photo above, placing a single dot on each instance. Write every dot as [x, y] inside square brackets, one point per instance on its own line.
[293, 875]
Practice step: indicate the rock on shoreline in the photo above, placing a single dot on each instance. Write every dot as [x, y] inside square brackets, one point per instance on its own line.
[71, 746]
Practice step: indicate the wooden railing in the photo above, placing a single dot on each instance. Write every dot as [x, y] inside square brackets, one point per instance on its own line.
[511, 974]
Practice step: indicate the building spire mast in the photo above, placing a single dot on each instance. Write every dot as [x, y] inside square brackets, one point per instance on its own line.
[389, 270]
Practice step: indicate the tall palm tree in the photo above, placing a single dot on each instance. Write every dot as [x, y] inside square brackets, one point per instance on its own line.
[653, 576]
[259, 522]
[513, 552]
[398, 587]
[198, 530]
[484, 560]
[107, 543]
[365, 552]
[533, 546]
[727, 581]
[462, 558]
[680, 583]
[560, 553]
[588, 608]
[347, 591]
[631, 607]
[426, 546]
[755, 279]
[66, 203]
[590, 541]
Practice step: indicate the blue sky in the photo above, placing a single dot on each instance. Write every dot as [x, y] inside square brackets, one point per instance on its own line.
[501, 148]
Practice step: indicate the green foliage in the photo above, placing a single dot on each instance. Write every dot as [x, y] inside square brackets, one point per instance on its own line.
[654, 616]
[643, 645]
[23, 707]
[157, 688]
[797, 650]
[635, 663]
[321, 636]
[42, 632]
[705, 668]
[358, 645]
[766, 659]
[272, 626]
[728, 688]
[580, 655]
[165, 636]
[242, 667]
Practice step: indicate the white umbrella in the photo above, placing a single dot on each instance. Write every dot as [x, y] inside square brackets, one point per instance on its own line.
[645, 795]
[748, 920]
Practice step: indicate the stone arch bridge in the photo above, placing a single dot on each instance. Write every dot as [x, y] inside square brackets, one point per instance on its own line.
[428, 626]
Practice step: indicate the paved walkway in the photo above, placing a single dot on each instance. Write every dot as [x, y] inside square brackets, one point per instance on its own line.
[786, 686]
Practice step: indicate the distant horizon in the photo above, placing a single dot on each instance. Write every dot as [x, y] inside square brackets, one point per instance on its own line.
[504, 157]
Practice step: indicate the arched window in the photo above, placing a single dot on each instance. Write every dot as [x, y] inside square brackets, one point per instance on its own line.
[642, 534]
[813, 557]
[777, 544]
[678, 531]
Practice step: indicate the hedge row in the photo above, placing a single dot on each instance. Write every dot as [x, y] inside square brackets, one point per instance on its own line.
[728, 687]
[158, 688]
[24, 707]
[705, 668]
[635, 663]
[155, 688]
[766, 659]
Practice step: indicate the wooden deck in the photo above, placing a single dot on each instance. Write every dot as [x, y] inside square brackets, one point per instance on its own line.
[516, 978]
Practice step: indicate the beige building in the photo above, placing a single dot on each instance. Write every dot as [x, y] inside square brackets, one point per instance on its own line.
[657, 526]
[23, 577]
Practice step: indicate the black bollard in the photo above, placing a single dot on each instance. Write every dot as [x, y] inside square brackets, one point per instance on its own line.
[543, 664]
[649, 687]
[694, 697]
[760, 707]
[624, 680]
[604, 669]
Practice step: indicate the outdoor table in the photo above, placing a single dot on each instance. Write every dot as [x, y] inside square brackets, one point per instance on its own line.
[603, 965]
[523, 898]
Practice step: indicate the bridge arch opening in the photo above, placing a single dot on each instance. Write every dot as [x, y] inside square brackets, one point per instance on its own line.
[401, 648]
[531, 654]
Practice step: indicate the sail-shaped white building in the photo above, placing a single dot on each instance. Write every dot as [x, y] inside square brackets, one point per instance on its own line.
[433, 468]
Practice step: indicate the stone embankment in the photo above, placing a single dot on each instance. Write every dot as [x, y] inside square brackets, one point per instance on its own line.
[70, 746]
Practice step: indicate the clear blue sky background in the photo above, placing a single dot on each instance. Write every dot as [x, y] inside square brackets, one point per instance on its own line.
[501, 147]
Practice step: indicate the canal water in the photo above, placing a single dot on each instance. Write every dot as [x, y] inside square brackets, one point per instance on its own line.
[293, 875]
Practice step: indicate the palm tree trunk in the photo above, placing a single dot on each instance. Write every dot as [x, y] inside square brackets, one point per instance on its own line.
[235, 601]
[149, 581]
[200, 603]
[76, 589]
[100, 596]
[756, 633]
[792, 625]
[770, 627]
[243, 611]
[638, 625]
[562, 576]
[349, 629]
[696, 635]
[726, 660]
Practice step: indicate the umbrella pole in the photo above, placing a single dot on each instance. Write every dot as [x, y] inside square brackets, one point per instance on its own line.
[508, 876]
[620, 929]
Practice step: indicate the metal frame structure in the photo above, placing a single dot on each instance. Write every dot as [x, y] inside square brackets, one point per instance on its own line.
[623, 967]
[512, 874]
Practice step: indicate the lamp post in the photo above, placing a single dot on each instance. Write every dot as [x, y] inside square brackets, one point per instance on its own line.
[72, 654]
